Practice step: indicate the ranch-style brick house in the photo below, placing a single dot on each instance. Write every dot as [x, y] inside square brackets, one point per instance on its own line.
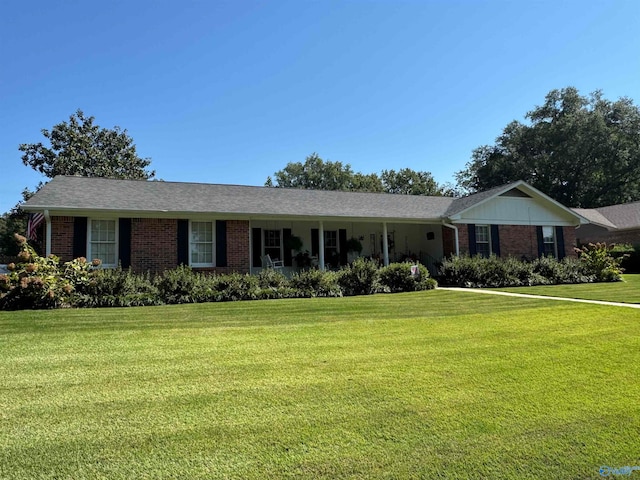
[156, 225]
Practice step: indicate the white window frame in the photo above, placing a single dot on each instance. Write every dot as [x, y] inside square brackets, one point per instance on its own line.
[553, 241]
[90, 255]
[265, 246]
[212, 243]
[331, 248]
[484, 242]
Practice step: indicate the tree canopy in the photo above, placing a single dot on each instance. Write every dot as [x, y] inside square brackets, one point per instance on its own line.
[76, 147]
[583, 151]
[318, 174]
[79, 147]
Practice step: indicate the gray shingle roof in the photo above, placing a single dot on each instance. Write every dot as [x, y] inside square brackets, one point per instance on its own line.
[65, 193]
[624, 216]
[595, 217]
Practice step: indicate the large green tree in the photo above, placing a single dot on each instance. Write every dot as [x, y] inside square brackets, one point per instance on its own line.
[583, 151]
[10, 223]
[409, 182]
[316, 173]
[79, 147]
[76, 147]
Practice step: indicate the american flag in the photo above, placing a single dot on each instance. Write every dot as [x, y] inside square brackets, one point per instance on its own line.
[35, 219]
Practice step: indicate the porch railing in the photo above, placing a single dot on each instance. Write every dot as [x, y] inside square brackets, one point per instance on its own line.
[430, 262]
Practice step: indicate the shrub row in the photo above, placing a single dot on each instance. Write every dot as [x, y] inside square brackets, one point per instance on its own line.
[593, 264]
[37, 282]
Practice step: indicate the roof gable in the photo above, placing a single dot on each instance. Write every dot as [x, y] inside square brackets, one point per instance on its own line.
[516, 203]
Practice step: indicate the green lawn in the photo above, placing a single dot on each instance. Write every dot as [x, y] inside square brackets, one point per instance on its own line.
[425, 385]
[627, 291]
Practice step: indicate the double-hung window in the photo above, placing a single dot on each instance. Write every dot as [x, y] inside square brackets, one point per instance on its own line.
[103, 242]
[330, 244]
[483, 240]
[548, 242]
[201, 244]
[273, 244]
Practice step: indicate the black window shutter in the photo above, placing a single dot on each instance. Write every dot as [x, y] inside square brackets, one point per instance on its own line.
[256, 240]
[342, 245]
[124, 242]
[540, 236]
[183, 242]
[560, 242]
[495, 240]
[315, 242]
[471, 228]
[221, 243]
[286, 238]
[80, 237]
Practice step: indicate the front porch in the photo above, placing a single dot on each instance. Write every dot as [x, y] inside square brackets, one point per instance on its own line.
[326, 244]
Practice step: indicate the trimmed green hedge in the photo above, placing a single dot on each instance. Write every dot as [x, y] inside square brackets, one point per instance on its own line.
[36, 282]
[593, 264]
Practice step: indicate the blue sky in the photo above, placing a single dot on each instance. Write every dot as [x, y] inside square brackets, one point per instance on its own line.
[230, 92]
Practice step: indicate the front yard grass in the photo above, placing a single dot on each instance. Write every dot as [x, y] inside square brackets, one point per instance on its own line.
[424, 385]
[627, 291]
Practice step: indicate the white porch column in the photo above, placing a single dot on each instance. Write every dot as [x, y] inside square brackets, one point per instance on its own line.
[385, 244]
[321, 245]
[47, 233]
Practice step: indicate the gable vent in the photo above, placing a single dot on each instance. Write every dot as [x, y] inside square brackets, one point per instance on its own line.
[514, 192]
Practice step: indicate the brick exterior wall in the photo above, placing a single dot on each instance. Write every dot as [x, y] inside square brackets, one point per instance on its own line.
[238, 252]
[237, 249]
[520, 241]
[448, 241]
[62, 238]
[463, 239]
[154, 244]
[594, 234]
[569, 241]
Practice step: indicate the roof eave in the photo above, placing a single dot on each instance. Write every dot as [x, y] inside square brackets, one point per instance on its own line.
[75, 211]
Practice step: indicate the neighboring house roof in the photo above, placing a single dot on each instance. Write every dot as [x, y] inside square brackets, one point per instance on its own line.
[625, 216]
[66, 194]
[595, 217]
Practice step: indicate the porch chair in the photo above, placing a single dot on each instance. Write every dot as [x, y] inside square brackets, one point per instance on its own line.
[268, 263]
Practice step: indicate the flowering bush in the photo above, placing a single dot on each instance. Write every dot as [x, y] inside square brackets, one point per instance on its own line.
[40, 282]
[597, 261]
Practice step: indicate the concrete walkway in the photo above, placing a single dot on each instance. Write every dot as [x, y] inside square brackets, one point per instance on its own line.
[544, 297]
